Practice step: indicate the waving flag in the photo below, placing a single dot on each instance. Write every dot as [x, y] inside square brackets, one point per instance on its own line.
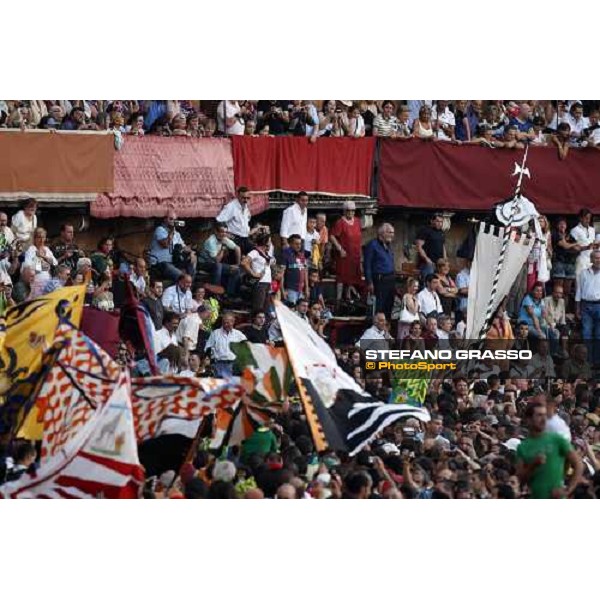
[156, 399]
[30, 329]
[270, 368]
[339, 413]
[101, 461]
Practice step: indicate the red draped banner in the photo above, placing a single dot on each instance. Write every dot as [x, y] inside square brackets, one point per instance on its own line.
[336, 166]
[422, 174]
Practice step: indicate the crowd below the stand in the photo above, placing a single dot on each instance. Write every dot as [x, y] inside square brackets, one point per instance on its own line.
[476, 444]
[493, 124]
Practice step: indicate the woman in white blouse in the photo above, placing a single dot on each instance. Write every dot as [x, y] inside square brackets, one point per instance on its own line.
[39, 257]
[24, 223]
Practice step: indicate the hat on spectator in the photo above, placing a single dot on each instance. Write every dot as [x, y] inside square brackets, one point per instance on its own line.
[593, 418]
[345, 102]
[349, 205]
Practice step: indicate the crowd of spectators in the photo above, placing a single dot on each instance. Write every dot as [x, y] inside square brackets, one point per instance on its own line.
[493, 124]
[203, 295]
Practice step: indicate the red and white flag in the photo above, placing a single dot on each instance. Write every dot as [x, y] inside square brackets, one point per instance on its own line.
[156, 400]
[101, 461]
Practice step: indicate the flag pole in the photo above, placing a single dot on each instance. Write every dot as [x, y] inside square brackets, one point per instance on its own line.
[520, 170]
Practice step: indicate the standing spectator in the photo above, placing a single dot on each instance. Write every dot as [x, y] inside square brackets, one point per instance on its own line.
[24, 223]
[354, 126]
[219, 344]
[304, 119]
[153, 302]
[386, 124]
[429, 300]
[75, 120]
[103, 296]
[276, 119]
[539, 137]
[463, 279]
[379, 269]
[257, 332]
[216, 252]
[577, 121]
[296, 271]
[587, 306]
[408, 310]
[592, 133]
[312, 243]
[65, 249]
[236, 216]
[422, 127]
[542, 458]
[230, 117]
[40, 258]
[431, 245]
[562, 140]
[523, 123]
[346, 238]
[584, 235]
[23, 287]
[447, 290]
[165, 239]
[293, 221]
[443, 121]
[258, 266]
[403, 122]
[324, 244]
[462, 131]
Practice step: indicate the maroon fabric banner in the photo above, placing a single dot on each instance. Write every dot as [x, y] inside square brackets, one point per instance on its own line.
[103, 328]
[422, 174]
[336, 166]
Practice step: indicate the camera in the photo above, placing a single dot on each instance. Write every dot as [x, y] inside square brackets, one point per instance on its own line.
[179, 223]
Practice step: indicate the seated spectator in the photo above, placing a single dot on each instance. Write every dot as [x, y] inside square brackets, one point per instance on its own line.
[167, 335]
[23, 287]
[414, 340]
[65, 249]
[554, 306]
[354, 125]
[301, 309]
[103, 297]
[404, 122]
[386, 124]
[296, 270]
[539, 137]
[102, 262]
[179, 125]
[40, 258]
[577, 366]
[430, 332]
[75, 120]
[24, 223]
[533, 312]
[462, 131]
[484, 137]
[378, 331]
[139, 277]
[591, 134]
[168, 248]
[542, 364]
[250, 128]
[63, 274]
[135, 125]
[178, 298]
[577, 122]
[257, 332]
[194, 127]
[217, 250]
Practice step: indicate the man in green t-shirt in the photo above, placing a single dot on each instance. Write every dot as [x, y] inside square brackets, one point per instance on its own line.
[541, 458]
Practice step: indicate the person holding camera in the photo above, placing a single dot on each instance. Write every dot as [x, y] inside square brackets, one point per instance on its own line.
[168, 248]
[215, 252]
[65, 249]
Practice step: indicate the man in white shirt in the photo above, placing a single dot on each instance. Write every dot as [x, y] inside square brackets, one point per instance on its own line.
[555, 423]
[377, 332]
[443, 121]
[178, 297]
[167, 336]
[577, 121]
[219, 344]
[587, 306]
[138, 277]
[428, 299]
[584, 235]
[294, 219]
[7, 237]
[236, 215]
[230, 117]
